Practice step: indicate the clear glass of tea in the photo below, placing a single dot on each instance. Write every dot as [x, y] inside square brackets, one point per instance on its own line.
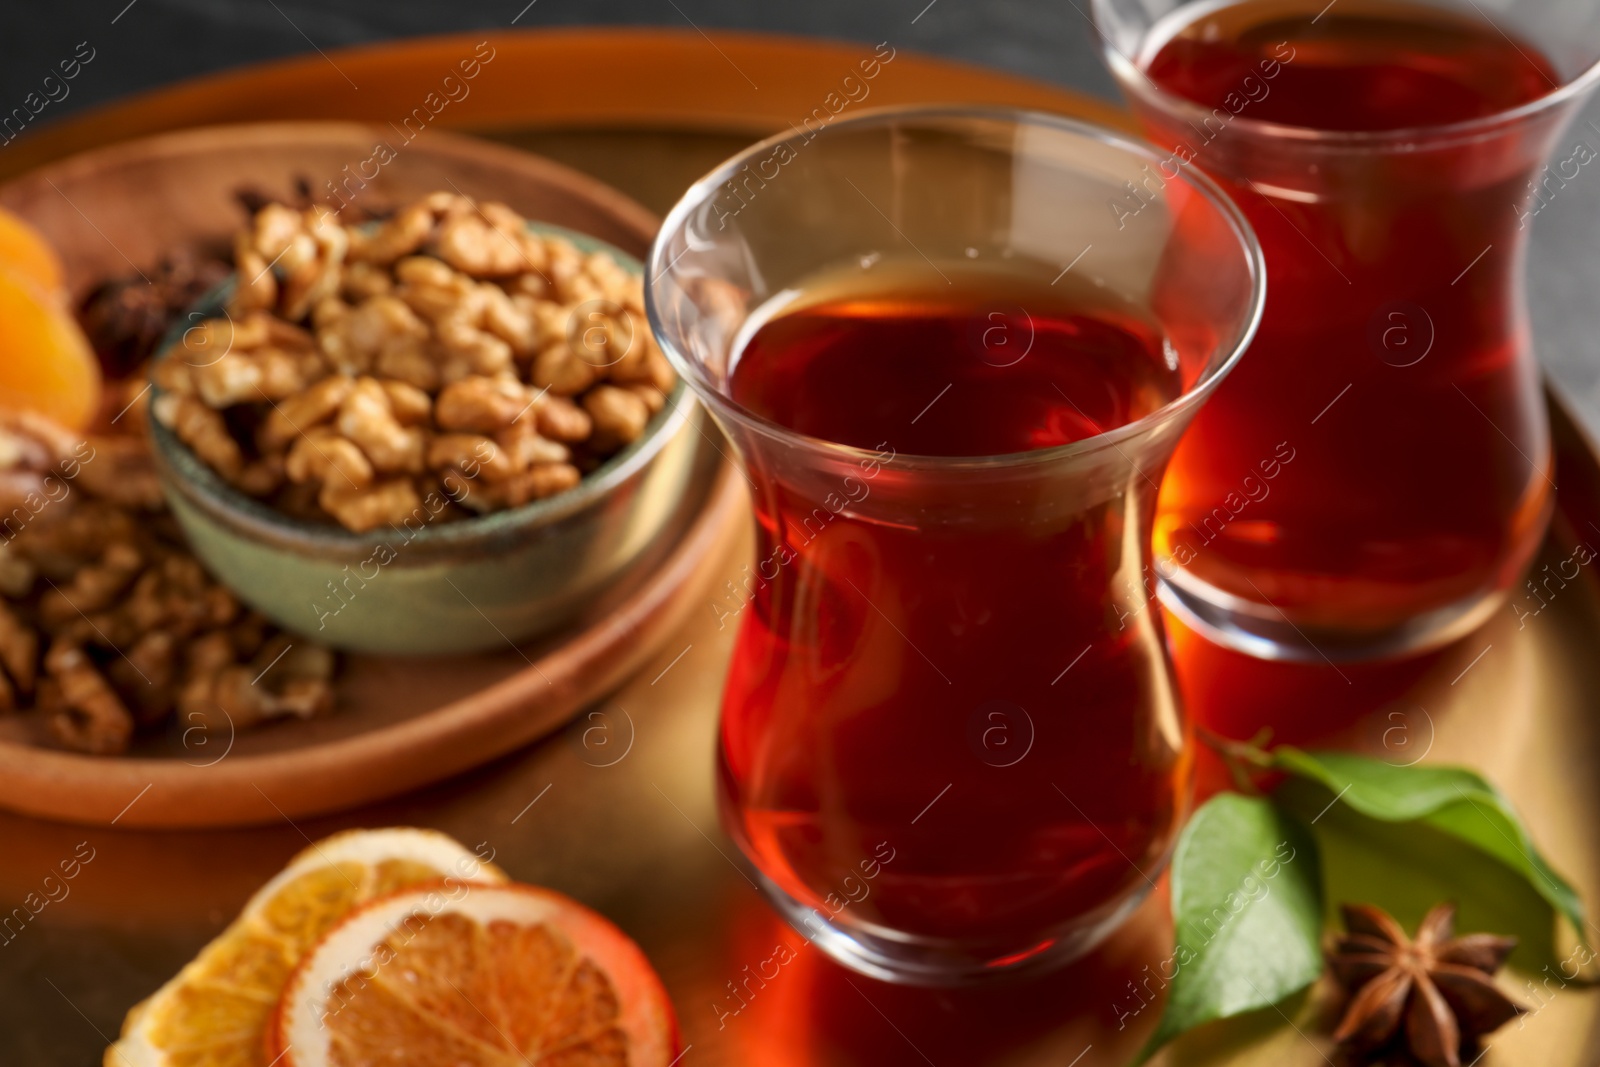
[950, 740]
[1377, 474]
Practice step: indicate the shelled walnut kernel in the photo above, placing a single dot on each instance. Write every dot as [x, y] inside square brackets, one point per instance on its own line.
[361, 369]
[107, 623]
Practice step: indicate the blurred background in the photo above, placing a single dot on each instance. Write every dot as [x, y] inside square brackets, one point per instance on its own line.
[144, 44]
[153, 42]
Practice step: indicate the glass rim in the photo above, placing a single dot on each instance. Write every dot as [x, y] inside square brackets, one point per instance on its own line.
[1401, 139]
[1217, 366]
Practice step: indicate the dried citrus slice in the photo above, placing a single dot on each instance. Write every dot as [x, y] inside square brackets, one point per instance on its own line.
[24, 250]
[214, 1012]
[474, 976]
[46, 363]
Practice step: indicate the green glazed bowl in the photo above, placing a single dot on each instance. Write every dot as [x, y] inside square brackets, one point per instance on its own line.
[473, 585]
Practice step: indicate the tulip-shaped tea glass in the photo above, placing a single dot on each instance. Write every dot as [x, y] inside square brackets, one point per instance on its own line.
[1377, 474]
[953, 373]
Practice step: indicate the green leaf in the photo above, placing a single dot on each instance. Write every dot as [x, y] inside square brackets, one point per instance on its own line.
[1406, 868]
[1453, 800]
[1247, 914]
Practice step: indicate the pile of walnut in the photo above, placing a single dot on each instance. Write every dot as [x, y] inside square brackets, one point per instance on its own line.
[107, 623]
[448, 349]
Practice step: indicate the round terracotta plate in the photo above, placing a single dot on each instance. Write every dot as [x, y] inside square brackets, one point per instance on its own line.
[401, 722]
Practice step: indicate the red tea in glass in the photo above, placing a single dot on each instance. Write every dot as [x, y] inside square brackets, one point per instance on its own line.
[1376, 474]
[950, 741]
[905, 625]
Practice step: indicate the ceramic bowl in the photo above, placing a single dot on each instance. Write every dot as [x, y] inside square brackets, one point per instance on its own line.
[472, 585]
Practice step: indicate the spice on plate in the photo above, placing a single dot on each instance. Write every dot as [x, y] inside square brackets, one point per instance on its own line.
[1435, 993]
[127, 317]
[447, 349]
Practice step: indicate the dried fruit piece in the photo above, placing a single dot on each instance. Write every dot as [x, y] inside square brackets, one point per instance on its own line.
[25, 252]
[477, 976]
[46, 364]
[215, 1010]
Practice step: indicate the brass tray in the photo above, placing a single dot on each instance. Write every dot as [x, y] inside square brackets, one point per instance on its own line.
[618, 810]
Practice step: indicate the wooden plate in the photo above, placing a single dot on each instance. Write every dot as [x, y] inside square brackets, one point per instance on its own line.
[402, 722]
[115, 210]
[633, 830]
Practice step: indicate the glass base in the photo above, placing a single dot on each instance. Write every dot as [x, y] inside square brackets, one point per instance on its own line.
[908, 960]
[1264, 632]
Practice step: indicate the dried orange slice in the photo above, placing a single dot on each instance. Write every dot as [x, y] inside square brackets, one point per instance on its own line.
[474, 976]
[24, 251]
[46, 363]
[214, 1013]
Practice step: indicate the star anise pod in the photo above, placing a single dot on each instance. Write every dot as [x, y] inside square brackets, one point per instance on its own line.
[1437, 989]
